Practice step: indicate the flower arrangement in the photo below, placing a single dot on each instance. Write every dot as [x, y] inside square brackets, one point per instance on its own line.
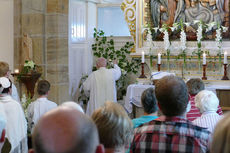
[218, 40]
[29, 66]
[180, 25]
[167, 43]
[199, 35]
[150, 44]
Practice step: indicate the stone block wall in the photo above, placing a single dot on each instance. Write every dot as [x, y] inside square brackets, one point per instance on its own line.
[46, 22]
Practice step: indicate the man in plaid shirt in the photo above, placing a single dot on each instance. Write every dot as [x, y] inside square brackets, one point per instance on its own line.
[176, 134]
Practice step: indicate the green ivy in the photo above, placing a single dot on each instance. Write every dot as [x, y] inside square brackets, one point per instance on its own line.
[104, 47]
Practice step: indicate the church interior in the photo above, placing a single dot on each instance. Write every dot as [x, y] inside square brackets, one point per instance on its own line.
[62, 41]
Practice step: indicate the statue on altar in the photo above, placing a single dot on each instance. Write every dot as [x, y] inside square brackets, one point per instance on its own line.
[27, 48]
[171, 11]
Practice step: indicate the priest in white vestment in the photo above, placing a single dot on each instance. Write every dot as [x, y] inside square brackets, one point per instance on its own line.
[16, 125]
[40, 106]
[102, 85]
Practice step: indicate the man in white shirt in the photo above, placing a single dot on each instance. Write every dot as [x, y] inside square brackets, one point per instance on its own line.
[42, 105]
[5, 72]
[101, 84]
[16, 124]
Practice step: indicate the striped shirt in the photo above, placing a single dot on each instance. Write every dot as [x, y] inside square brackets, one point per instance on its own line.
[194, 111]
[174, 135]
[208, 120]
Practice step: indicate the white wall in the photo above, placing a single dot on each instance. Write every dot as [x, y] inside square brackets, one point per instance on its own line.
[6, 32]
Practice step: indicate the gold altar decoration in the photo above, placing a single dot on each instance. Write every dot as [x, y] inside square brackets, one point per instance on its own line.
[129, 9]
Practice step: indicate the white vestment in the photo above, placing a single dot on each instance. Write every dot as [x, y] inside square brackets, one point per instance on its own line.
[37, 108]
[15, 93]
[16, 125]
[102, 87]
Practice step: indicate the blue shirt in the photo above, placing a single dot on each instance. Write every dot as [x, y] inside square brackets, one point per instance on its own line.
[141, 120]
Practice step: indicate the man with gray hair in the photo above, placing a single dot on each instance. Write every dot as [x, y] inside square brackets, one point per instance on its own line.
[65, 130]
[101, 84]
[207, 102]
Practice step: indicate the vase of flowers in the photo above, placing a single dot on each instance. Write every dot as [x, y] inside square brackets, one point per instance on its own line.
[167, 43]
[218, 40]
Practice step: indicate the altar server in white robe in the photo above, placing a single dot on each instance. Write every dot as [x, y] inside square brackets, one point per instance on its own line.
[102, 85]
[40, 106]
[16, 125]
[5, 72]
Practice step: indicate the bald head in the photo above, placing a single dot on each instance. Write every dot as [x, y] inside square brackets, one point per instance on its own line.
[101, 62]
[65, 130]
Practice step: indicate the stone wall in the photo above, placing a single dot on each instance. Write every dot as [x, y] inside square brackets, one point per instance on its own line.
[46, 22]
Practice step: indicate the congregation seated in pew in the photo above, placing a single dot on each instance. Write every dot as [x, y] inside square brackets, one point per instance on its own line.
[175, 133]
[195, 85]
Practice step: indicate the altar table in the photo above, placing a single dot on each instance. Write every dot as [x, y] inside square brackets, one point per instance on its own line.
[134, 92]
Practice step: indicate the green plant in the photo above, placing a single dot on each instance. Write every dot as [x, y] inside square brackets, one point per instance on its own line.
[104, 47]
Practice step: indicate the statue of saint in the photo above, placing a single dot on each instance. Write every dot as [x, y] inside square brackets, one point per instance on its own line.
[27, 48]
[170, 11]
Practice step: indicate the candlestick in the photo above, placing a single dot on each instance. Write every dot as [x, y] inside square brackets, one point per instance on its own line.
[204, 59]
[16, 71]
[142, 71]
[225, 77]
[204, 72]
[159, 67]
[159, 58]
[225, 58]
[143, 57]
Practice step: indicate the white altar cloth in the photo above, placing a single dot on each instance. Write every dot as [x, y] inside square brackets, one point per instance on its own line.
[134, 92]
[133, 96]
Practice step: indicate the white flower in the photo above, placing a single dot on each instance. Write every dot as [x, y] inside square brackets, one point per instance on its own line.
[156, 29]
[224, 28]
[172, 28]
[166, 40]
[199, 33]
[196, 21]
[187, 24]
[23, 99]
[183, 39]
[30, 64]
[218, 38]
[123, 71]
[149, 39]
[210, 26]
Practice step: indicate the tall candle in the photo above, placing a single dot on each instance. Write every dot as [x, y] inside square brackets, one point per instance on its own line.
[159, 58]
[204, 59]
[225, 58]
[143, 57]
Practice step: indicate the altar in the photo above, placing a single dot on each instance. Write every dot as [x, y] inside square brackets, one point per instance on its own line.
[134, 92]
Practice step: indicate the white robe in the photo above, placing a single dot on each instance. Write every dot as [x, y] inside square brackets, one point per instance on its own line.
[15, 93]
[36, 109]
[102, 87]
[16, 125]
